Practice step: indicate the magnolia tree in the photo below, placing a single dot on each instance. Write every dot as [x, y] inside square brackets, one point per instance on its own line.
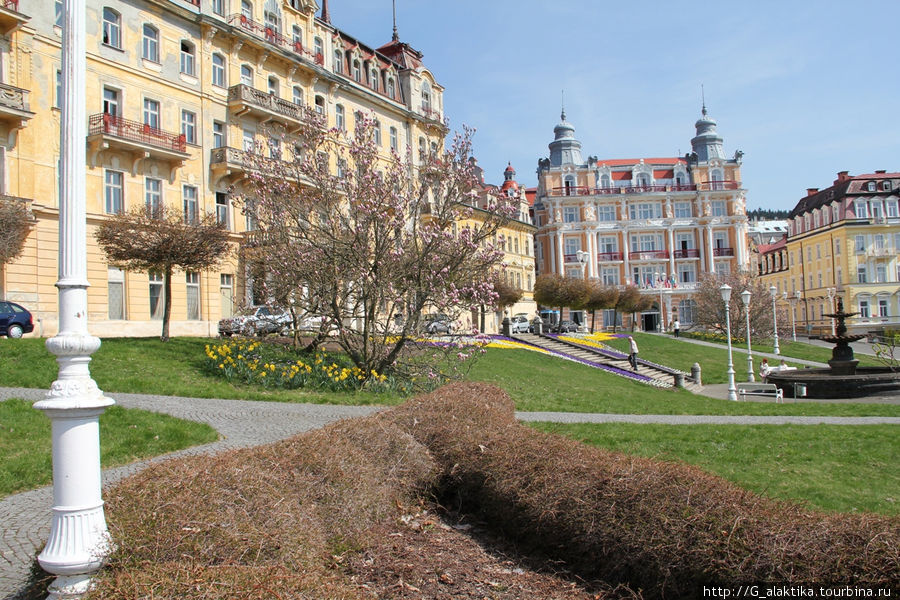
[710, 309]
[160, 239]
[372, 244]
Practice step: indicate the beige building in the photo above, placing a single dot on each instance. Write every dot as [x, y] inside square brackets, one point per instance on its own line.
[657, 223]
[843, 242]
[179, 93]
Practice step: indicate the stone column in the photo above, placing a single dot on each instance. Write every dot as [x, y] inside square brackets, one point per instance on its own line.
[560, 252]
[78, 539]
[710, 252]
[625, 255]
[671, 249]
[592, 253]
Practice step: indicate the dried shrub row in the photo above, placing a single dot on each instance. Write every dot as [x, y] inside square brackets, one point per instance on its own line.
[661, 527]
[264, 522]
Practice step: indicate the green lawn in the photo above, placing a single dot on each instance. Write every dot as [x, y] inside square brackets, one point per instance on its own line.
[535, 381]
[800, 350]
[127, 435]
[833, 467]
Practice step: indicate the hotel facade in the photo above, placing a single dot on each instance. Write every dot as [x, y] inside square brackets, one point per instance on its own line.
[180, 94]
[657, 223]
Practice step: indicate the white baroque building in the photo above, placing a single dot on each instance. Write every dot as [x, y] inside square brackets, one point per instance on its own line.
[658, 223]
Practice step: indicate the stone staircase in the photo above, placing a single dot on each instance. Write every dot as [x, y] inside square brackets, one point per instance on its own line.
[659, 375]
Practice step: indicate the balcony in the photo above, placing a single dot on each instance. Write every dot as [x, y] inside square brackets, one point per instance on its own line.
[649, 254]
[243, 99]
[272, 37]
[234, 164]
[111, 132]
[610, 256]
[686, 253]
[10, 17]
[583, 190]
[717, 186]
[723, 251]
[886, 253]
[13, 107]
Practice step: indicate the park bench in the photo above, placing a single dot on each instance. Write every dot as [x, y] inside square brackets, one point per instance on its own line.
[760, 389]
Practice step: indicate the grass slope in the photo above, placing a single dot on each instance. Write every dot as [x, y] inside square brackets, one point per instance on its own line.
[832, 467]
[127, 435]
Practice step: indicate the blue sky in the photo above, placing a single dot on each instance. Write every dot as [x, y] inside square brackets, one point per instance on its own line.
[805, 88]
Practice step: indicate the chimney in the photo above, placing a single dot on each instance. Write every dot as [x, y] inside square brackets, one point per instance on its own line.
[880, 172]
[811, 191]
[842, 176]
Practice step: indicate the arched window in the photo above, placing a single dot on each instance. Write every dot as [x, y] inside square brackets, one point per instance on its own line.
[272, 24]
[320, 105]
[319, 50]
[642, 180]
[338, 66]
[422, 148]
[426, 97]
[377, 132]
[357, 70]
[218, 70]
[716, 177]
[274, 86]
[112, 28]
[569, 185]
[246, 75]
[339, 120]
[605, 181]
[390, 88]
[373, 79]
[150, 46]
[188, 63]
[298, 95]
[297, 38]
[246, 10]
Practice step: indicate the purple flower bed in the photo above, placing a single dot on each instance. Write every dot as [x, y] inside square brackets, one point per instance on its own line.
[590, 363]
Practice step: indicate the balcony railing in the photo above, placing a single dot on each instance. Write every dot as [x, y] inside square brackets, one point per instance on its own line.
[610, 256]
[686, 253]
[649, 254]
[13, 98]
[263, 100]
[723, 251]
[708, 186]
[133, 131]
[250, 162]
[583, 190]
[431, 113]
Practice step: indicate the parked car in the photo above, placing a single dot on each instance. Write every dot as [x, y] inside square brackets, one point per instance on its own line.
[257, 320]
[520, 324]
[15, 320]
[439, 323]
[565, 326]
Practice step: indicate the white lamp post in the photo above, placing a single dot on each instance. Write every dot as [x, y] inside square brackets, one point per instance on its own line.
[78, 539]
[831, 294]
[745, 298]
[725, 290]
[773, 291]
[784, 296]
[662, 317]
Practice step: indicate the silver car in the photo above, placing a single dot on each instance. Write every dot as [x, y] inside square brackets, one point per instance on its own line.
[520, 324]
[257, 320]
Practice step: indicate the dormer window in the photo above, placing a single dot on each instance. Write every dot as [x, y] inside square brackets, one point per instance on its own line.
[426, 97]
[373, 79]
[390, 87]
[338, 62]
[886, 186]
[870, 186]
[357, 70]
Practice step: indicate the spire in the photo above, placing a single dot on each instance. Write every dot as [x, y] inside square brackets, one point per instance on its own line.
[395, 37]
[325, 14]
[562, 114]
[703, 100]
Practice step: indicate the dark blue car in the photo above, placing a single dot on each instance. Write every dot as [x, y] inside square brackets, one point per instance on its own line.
[15, 320]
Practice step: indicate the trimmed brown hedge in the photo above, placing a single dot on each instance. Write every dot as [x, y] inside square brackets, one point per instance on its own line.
[661, 527]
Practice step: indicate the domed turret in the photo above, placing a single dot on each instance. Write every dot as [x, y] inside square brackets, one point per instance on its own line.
[509, 180]
[565, 149]
[708, 143]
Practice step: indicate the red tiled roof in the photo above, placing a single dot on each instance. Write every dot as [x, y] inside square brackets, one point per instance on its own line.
[763, 248]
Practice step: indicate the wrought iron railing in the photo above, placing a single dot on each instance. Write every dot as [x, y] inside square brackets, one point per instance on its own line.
[270, 102]
[608, 256]
[708, 186]
[10, 4]
[134, 131]
[686, 253]
[649, 254]
[583, 190]
[723, 251]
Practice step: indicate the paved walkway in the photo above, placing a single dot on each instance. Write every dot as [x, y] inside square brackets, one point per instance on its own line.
[25, 517]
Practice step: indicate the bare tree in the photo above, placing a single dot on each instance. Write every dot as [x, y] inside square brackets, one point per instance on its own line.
[371, 243]
[15, 223]
[161, 239]
[710, 310]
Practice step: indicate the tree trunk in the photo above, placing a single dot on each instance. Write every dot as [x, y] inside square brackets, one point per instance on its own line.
[593, 319]
[167, 303]
[481, 329]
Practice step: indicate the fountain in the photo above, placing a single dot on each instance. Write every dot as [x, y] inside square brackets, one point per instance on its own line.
[843, 378]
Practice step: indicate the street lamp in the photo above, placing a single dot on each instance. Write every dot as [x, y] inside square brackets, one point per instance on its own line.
[773, 291]
[745, 298]
[725, 290]
[831, 294]
[583, 261]
[793, 302]
[659, 277]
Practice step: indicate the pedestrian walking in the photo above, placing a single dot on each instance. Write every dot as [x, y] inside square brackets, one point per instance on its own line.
[677, 327]
[633, 352]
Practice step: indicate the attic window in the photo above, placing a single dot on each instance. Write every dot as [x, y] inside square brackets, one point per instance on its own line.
[870, 186]
[886, 186]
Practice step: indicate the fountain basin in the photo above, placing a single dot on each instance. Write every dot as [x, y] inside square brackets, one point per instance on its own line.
[826, 384]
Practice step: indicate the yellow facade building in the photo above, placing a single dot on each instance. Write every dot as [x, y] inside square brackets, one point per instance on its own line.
[843, 242]
[180, 93]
